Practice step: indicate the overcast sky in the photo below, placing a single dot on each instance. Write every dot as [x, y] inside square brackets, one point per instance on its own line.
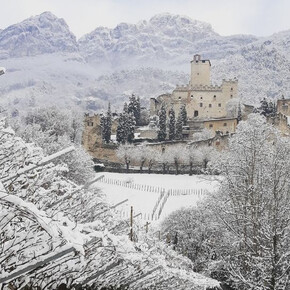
[258, 17]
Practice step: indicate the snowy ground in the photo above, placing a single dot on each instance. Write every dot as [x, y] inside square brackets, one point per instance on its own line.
[144, 190]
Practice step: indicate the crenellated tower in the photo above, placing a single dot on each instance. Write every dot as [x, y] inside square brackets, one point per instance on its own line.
[200, 71]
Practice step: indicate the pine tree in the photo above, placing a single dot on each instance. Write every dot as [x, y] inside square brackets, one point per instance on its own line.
[179, 125]
[271, 109]
[121, 135]
[132, 104]
[134, 108]
[125, 108]
[138, 112]
[106, 125]
[183, 115]
[103, 124]
[264, 108]
[126, 126]
[162, 124]
[171, 124]
[239, 117]
[130, 127]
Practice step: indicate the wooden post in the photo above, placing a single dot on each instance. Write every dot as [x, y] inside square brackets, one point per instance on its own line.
[147, 226]
[131, 224]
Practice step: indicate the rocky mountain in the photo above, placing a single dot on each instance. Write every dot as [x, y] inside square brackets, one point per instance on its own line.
[167, 38]
[37, 35]
[46, 64]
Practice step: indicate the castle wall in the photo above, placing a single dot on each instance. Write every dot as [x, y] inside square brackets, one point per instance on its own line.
[92, 133]
[283, 107]
[205, 101]
[225, 126]
[202, 100]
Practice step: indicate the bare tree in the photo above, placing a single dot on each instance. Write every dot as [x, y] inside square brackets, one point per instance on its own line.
[125, 152]
[253, 206]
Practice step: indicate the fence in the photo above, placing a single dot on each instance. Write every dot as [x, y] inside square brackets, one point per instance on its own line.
[177, 192]
[132, 185]
[162, 198]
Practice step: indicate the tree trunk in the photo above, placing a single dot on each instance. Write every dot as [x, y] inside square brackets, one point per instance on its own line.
[190, 168]
[141, 166]
[149, 168]
[176, 167]
[205, 162]
[127, 167]
[164, 168]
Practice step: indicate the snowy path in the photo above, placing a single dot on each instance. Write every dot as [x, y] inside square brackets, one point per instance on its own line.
[143, 192]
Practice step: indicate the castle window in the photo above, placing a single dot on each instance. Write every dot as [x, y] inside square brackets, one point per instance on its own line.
[191, 96]
[200, 104]
[231, 96]
[179, 98]
[232, 89]
[201, 98]
[210, 125]
[90, 124]
[209, 105]
[214, 96]
[220, 104]
[195, 113]
[225, 124]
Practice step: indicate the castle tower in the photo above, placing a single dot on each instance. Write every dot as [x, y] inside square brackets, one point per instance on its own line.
[200, 71]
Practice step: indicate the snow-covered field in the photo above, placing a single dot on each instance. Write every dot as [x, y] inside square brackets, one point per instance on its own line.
[143, 192]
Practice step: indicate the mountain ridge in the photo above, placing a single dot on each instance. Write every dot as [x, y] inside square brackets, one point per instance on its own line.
[55, 67]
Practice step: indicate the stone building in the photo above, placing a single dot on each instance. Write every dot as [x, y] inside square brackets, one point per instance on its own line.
[282, 118]
[92, 139]
[207, 105]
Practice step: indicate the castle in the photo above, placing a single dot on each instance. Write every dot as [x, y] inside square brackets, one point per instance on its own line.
[208, 106]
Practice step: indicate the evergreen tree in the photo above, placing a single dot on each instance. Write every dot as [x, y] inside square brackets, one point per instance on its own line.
[162, 123]
[103, 123]
[108, 125]
[138, 112]
[171, 124]
[132, 104]
[179, 125]
[183, 115]
[126, 126]
[264, 108]
[130, 127]
[125, 108]
[271, 109]
[121, 135]
[239, 117]
[267, 109]
[134, 108]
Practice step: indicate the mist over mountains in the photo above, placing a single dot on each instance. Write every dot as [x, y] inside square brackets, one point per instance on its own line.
[46, 64]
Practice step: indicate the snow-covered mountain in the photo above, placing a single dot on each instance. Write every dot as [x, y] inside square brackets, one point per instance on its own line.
[46, 64]
[36, 35]
[163, 37]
